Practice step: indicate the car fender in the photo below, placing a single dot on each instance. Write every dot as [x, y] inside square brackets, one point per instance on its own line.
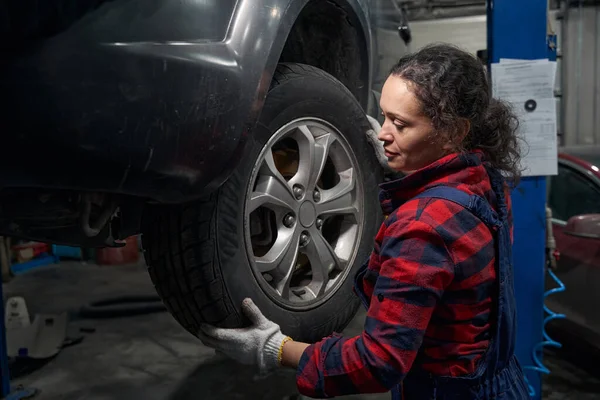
[257, 36]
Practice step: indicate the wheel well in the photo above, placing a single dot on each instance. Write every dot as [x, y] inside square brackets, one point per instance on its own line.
[330, 37]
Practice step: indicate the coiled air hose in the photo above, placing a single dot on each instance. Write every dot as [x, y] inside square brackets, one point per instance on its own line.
[538, 366]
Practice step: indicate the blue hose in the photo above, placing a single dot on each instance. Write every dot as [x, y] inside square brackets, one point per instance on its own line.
[547, 340]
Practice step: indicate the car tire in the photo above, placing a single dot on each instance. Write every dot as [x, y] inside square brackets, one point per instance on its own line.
[198, 254]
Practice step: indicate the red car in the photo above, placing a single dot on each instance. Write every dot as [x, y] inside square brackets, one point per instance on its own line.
[574, 198]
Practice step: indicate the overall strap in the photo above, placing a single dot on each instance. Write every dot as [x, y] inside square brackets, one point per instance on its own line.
[502, 342]
[475, 204]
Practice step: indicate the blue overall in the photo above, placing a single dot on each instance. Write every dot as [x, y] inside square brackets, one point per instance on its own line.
[499, 374]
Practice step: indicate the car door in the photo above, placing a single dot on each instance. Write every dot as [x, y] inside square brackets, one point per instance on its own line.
[572, 192]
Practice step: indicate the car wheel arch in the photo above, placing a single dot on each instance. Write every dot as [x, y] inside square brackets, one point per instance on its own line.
[294, 43]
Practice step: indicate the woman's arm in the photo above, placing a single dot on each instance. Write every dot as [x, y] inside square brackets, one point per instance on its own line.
[415, 268]
[292, 352]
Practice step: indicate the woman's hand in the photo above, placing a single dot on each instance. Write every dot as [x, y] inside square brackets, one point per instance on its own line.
[260, 344]
[373, 139]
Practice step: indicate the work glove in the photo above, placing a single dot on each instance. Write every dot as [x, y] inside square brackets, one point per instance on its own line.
[259, 344]
[372, 137]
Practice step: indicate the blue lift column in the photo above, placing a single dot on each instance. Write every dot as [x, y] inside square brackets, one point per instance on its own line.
[518, 29]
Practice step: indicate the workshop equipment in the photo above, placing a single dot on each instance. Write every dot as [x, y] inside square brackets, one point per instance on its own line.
[128, 254]
[519, 30]
[27, 251]
[40, 338]
[7, 394]
[68, 252]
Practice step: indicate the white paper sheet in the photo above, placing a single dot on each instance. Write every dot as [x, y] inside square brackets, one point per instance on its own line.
[518, 60]
[523, 79]
[538, 129]
[531, 82]
[514, 61]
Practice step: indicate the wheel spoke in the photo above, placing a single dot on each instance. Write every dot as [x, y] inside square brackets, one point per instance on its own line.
[323, 260]
[280, 260]
[313, 153]
[272, 190]
[341, 198]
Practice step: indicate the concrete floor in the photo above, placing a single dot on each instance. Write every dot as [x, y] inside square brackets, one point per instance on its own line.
[150, 357]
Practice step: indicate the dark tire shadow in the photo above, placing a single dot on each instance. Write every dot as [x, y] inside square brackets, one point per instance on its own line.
[224, 379]
[574, 368]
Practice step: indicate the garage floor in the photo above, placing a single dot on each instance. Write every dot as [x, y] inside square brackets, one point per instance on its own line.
[150, 357]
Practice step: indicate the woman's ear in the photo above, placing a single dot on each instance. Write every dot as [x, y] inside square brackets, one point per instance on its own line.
[456, 138]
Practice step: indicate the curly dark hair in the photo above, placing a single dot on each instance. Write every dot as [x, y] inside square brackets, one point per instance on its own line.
[452, 86]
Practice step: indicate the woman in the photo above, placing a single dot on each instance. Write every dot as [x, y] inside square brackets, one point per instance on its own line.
[438, 286]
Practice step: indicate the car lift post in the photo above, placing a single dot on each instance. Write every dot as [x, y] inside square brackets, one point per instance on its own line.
[519, 30]
[4, 372]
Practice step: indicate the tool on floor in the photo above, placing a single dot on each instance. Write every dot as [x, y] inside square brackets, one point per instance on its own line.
[122, 306]
[41, 338]
[6, 392]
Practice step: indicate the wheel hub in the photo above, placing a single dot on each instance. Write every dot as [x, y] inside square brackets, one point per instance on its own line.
[308, 214]
[303, 214]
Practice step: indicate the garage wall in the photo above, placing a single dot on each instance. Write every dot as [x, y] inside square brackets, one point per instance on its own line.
[470, 33]
[581, 75]
[578, 47]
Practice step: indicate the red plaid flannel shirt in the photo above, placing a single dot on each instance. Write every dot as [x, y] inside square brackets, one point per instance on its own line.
[429, 285]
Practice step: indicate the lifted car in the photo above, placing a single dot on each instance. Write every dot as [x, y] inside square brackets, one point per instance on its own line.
[231, 134]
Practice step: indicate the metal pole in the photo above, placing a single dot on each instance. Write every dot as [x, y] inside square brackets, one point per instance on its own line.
[4, 372]
[518, 29]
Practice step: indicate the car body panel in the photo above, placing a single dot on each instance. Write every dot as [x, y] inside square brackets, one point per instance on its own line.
[578, 266]
[154, 109]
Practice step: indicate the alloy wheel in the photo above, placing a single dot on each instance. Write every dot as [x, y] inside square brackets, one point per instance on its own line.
[303, 213]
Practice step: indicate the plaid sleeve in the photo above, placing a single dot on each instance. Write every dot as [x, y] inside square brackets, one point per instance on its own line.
[415, 268]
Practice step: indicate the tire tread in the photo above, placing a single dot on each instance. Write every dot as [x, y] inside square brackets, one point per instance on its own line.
[180, 243]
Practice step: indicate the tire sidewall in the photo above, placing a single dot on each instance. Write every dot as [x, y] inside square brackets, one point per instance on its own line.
[302, 96]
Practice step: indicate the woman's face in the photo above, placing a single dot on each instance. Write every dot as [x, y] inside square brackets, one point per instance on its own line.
[407, 134]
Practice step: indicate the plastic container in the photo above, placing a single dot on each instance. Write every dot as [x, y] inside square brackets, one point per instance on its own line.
[29, 250]
[128, 254]
[67, 252]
